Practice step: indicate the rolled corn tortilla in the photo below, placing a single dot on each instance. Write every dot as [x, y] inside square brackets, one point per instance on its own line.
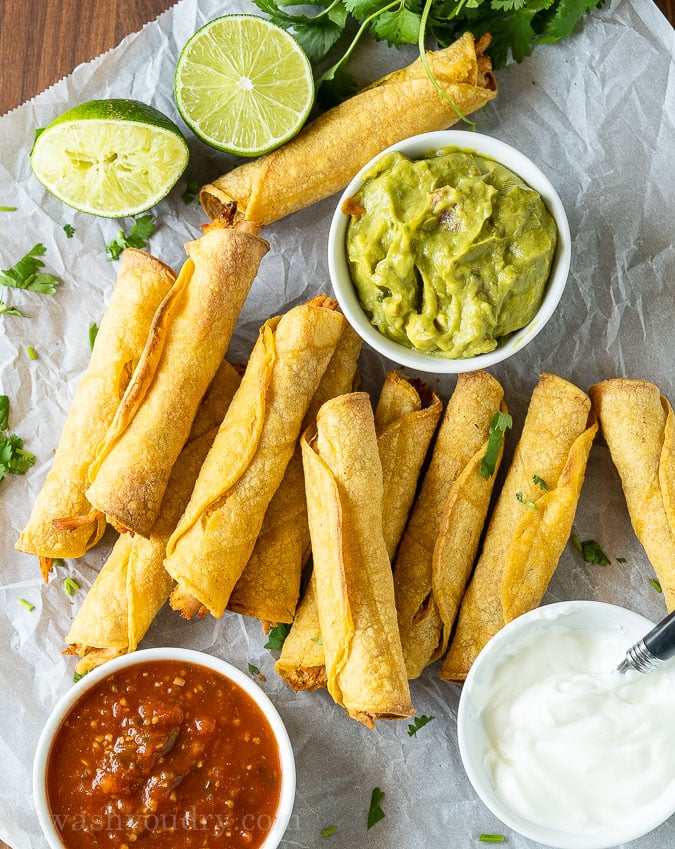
[329, 151]
[142, 283]
[188, 339]
[406, 416]
[441, 539]
[531, 521]
[215, 537]
[269, 586]
[133, 585]
[638, 427]
[365, 670]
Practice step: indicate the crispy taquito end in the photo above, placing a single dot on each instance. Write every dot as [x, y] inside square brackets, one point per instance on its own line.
[215, 537]
[302, 663]
[269, 586]
[441, 538]
[329, 151]
[365, 670]
[637, 424]
[142, 283]
[406, 417]
[133, 585]
[531, 521]
[187, 342]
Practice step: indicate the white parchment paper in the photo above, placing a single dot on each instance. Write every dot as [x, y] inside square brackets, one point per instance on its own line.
[597, 114]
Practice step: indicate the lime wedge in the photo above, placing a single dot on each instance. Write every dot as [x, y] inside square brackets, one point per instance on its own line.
[110, 157]
[243, 85]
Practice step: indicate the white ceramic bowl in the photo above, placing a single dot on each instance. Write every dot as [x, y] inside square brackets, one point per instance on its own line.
[473, 741]
[66, 703]
[415, 148]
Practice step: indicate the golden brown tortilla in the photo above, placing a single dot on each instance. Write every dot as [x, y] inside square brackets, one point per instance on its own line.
[133, 585]
[215, 537]
[531, 521]
[441, 539]
[354, 587]
[142, 283]
[187, 342]
[637, 423]
[329, 151]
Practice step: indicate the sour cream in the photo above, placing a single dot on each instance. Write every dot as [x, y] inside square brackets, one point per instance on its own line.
[566, 742]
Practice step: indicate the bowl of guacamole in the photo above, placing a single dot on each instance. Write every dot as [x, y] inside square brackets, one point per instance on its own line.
[449, 251]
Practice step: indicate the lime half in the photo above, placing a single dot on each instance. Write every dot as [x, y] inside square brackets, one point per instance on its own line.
[110, 157]
[243, 85]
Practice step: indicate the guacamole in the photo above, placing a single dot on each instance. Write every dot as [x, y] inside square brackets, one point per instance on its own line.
[450, 253]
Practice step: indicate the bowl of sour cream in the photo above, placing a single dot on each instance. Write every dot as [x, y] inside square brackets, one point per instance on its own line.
[560, 746]
[449, 251]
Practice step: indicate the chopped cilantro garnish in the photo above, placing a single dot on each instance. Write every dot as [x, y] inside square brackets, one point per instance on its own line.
[375, 812]
[621, 560]
[491, 838]
[591, 551]
[137, 237]
[77, 676]
[13, 459]
[70, 585]
[26, 274]
[32, 353]
[520, 497]
[191, 191]
[59, 563]
[69, 230]
[5, 309]
[417, 723]
[540, 482]
[655, 584]
[277, 636]
[498, 427]
[328, 830]
[93, 333]
[26, 604]
[317, 640]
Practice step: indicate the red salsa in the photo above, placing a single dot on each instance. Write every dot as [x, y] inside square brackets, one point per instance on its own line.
[164, 754]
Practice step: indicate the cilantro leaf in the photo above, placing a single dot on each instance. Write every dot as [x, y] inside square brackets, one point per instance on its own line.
[5, 309]
[540, 482]
[69, 230]
[328, 830]
[316, 34]
[26, 274]
[562, 20]
[417, 723]
[277, 636]
[498, 427]
[398, 26]
[526, 501]
[655, 585]
[13, 459]
[335, 86]
[375, 812]
[93, 333]
[591, 551]
[137, 237]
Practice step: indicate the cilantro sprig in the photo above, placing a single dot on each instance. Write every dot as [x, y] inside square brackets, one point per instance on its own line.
[27, 274]
[137, 237]
[13, 459]
[516, 26]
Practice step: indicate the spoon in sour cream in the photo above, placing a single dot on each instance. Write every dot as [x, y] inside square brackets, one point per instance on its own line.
[653, 649]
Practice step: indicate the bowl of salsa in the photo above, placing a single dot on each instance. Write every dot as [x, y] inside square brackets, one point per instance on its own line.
[449, 251]
[169, 748]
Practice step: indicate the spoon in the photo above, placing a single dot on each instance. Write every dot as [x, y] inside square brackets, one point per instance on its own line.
[653, 649]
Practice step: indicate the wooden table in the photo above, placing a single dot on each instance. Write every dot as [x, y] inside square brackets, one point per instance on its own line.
[43, 43]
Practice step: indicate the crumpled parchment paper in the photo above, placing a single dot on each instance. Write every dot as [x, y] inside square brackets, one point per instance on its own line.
[597, 114]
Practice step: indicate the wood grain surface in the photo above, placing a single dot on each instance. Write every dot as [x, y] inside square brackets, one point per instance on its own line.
[42, 41]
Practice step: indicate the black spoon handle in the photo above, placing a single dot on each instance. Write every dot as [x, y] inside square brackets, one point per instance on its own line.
[660, 641]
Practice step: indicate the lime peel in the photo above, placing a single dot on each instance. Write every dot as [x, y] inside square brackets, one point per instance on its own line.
[113, 158]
